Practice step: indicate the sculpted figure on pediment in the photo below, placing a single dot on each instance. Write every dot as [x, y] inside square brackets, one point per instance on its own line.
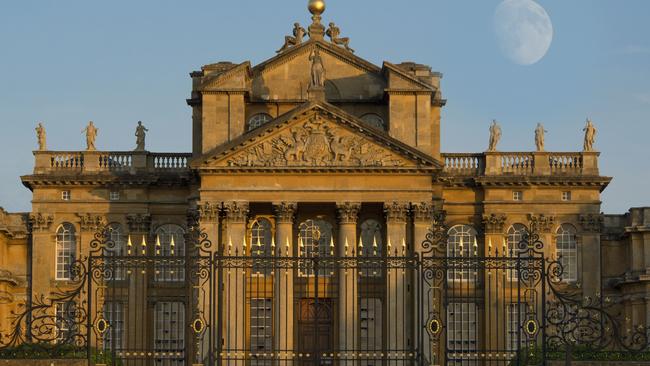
[315, 143]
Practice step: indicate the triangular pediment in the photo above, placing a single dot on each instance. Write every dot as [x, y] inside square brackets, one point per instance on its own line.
[319, 136]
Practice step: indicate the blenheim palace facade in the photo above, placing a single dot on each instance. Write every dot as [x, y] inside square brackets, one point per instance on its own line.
[316, 179]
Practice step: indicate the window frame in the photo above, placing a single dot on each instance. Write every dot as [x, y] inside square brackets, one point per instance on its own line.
[518, 196]
[66, 195]
[456, 247]
[65, 247]
[252, 123]
[167, 273]
[569, 262]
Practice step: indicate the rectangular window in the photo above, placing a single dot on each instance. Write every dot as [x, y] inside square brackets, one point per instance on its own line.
[516, 316]
[114, 195]
[169, 334]
[66, 321]
[114, 315]
[566, 196]
[462, 333]
[261, 330]
[517, 195]
[65, 195]
[370, 318]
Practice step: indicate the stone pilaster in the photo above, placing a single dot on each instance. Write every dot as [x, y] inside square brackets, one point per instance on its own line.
[397, 309]
[236, 214]
[494, 236]
[209, 214]
[283, 291]
[348, 213]
[589, 251]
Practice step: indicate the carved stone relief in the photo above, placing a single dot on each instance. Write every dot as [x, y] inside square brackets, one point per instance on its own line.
[591, 223]
[316, 143]
[494, 223]
[40, 222]
[541, 223]
[90, 222]
[422, 211]
[139, 223]
[209, 211]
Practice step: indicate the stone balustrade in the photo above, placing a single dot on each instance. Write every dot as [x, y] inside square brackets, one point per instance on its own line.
[49, 162]
[521, 164]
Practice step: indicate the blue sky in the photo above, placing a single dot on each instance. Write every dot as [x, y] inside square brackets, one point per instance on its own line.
[117, 62]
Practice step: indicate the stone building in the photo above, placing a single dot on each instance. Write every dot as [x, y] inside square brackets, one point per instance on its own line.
[317, 152]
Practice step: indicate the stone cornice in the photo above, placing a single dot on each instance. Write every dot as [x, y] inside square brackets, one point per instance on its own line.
[285, 212]
[236, 212]
[451, 180]
[348, 212]
[396, 212]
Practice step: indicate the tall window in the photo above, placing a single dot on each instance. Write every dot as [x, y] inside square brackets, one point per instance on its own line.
[315, 240]
[374, 120]
[66, 321]
[114, 315]
[169, 334]
[566, 243]
[462, 332]
[261, 330]
[170, 242]
[261, 241]
[258, 120]
[116, 236]
[371, 245]
[461, 243]
[516, 234]
[370, 316]
[516, 316]
[66, 251]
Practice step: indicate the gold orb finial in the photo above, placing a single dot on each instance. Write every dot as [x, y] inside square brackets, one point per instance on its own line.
[316, 7]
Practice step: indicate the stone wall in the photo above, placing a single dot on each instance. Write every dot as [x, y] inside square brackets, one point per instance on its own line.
[600, 363]
[43, 362]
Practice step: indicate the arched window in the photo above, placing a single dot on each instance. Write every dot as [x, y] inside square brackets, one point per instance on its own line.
[261, 242]
[566, 243]
[462, 242]
[371, 245]
[170, 242]
[258, 120]
[516, 234]
[374, 120]
[315, 239]
[116, 236]
[66, 251]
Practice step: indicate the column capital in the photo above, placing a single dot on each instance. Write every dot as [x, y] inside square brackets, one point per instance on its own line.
[541, 223]
[209, 211]
[423, 211]
[494, 223]
[139, 223]
[236, 211]
[285, 212]
[90, 222]
[396, 211]
[348, 212]
[40, 221]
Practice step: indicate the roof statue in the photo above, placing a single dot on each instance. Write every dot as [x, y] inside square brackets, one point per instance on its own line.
[91, 134]
[316, 29]
[41, 135]
[495, 136]
[298, 34]
[317, 81]
[590, 136]
[140, 134]
[539, 137]
[334, 33]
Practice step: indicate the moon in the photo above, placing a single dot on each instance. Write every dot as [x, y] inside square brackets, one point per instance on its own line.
[524, 30]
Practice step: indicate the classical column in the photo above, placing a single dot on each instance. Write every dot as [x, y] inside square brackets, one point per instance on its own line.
[283, 301]
[396, 289]
[590, 251]
[140, 326]
[348, 285]
[494, 239]
[234, 287]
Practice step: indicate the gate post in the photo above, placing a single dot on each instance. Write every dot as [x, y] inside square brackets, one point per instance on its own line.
[348, 322]
[283, 291]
